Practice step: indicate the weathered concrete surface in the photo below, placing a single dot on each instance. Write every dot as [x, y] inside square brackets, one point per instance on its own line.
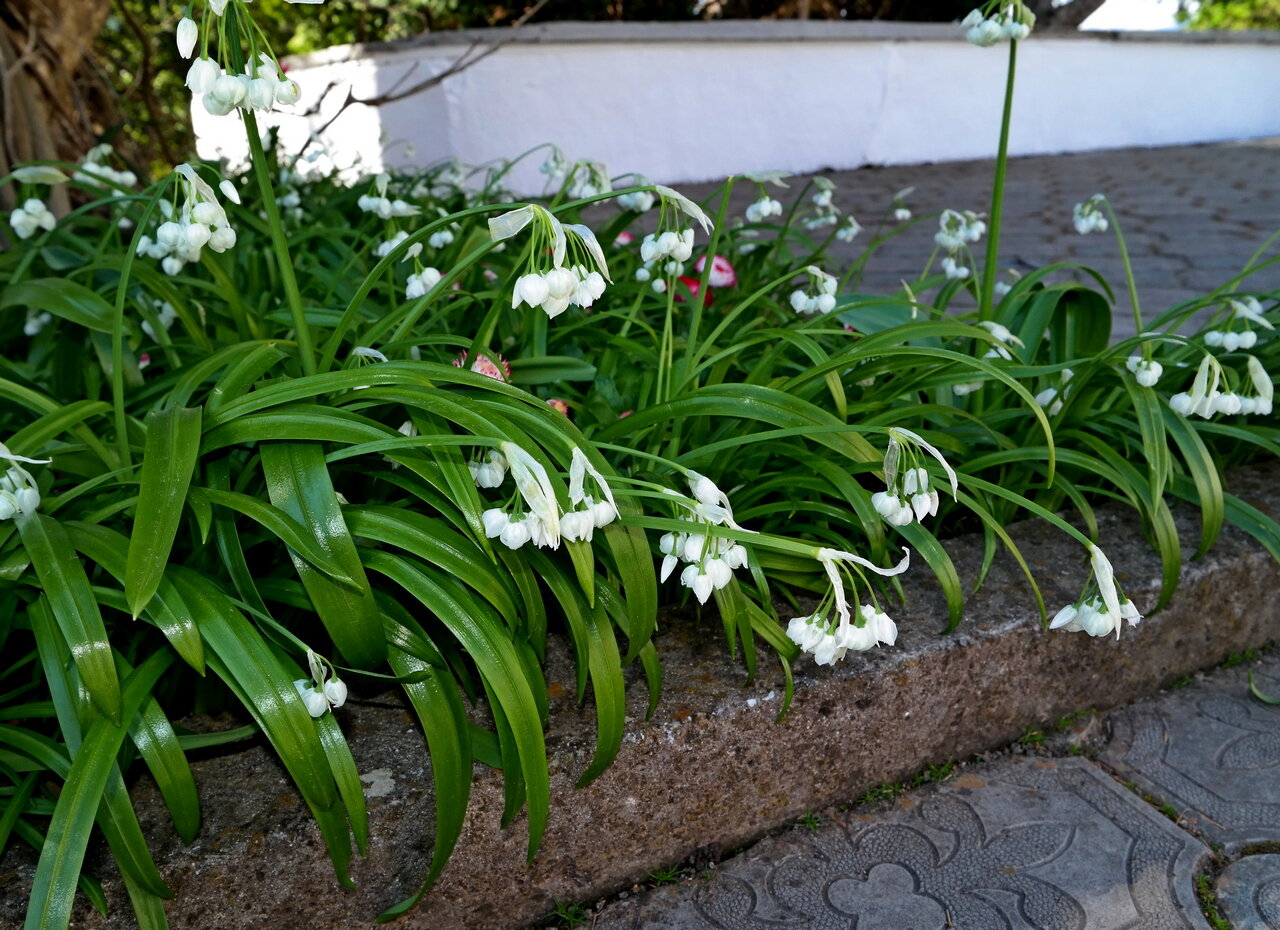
[1018, 843]
[1249, 893]
[1212, 753]
[712, 771]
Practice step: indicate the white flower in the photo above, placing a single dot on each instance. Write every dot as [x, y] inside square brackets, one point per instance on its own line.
[1100, 615]
[31, 216]
[1202, 399]
[762, 209]
[202, 74]
[417, 285]
[535, 488]
[849, 229]
[188, 33]
[287, 92]
[640, 201]
[1089, 216]
[439, 239]
[1146, 373]
[322, 692]
[491, 473]
[18, 492]
[1264, 388]
[953, 270]
[367, 352]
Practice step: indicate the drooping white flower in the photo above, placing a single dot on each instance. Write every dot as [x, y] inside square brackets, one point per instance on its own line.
[31, 216]
[1089, 216]
[535, 488]
[762, 209]
[1146, 372]
[19, 494]
[1102, 614]
[324, 691]
[1202, 399]
[820, 298]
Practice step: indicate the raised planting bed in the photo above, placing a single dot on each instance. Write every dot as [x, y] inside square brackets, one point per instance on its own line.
[712, 769]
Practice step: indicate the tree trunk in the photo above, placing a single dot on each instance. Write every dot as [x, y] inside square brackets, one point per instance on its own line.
[53, 100]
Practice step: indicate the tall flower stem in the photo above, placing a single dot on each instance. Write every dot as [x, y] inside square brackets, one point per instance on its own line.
[989, 269]
[1128, 276]
[262, 172]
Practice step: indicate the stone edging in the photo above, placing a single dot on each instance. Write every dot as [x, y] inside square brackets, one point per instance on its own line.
[712, 770]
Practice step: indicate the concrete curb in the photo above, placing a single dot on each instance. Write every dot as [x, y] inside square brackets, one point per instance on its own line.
[713, 771]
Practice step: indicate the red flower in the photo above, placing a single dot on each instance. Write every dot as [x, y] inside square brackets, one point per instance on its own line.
[693, 284]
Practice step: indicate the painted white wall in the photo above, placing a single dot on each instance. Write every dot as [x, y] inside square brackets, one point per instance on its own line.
[697, 101]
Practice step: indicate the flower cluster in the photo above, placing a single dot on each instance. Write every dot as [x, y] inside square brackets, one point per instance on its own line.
[1145, 371]
[823, 297]
[325, 690]
[260, 87]
[29, 217]
[828, 643]
[417, 285]
[1247, 310]
[710, 559]
[677, 246]
[18, 492]
[201, 221]
[1205, 400]
[379, 204]
[762, 209]
[825, 211]
[1100, 614]
[386, 248]
[557, 287]
[1013, 21]
[639, 201]
[556, 290]
[908, 495]
[956, 230]
[1090, 216]
[93, 173]
[813, 634]
[589, 179]
[900, 211]
[544, 523]
[849, 229]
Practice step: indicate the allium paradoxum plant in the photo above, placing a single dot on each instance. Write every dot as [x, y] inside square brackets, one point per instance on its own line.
[909, 496]
[548, 283]
[231, 79]
[196, 219]
[1103, 608]
[828, 638]
[710, 558]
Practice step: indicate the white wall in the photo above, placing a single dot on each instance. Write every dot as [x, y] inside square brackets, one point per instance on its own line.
[696, 101]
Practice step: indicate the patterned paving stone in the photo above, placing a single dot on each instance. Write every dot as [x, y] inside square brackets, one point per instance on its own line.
[1019, 845]
[1212, 752]
[1249, 893]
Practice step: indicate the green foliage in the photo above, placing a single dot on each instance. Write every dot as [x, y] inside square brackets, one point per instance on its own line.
[256, 474]
[1230, 14]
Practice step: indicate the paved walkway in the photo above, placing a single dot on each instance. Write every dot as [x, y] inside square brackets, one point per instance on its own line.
[1192, 216]
[1107, 825]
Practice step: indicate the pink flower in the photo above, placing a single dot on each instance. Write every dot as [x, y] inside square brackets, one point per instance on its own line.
[555, 403]
[722, 273]
[624, 238]
[498, 370]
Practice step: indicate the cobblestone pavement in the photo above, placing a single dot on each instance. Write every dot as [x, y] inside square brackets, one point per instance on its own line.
[1183, 790]
[1192, 216]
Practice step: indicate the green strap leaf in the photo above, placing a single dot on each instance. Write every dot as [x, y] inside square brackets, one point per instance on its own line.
[299, 484]
[168, 460]
[52, 891]
[71, 599]
[63, 298]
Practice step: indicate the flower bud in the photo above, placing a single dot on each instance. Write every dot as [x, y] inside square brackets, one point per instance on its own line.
[261, 94]
[287, 92]
[196, 234]
[188, 32]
